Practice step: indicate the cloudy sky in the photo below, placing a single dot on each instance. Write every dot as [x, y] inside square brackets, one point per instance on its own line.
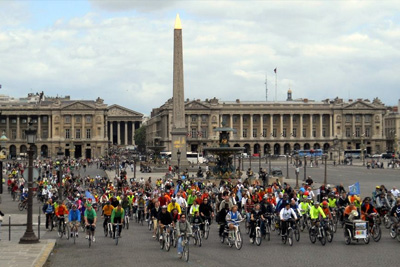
[121, 51]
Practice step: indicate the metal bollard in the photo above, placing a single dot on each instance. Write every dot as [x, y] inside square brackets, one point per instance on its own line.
[9, 227]
[39, 224]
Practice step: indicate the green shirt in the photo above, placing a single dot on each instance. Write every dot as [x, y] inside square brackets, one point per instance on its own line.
[117, 214]
[304, 207]
[191, 199]
[90, 215]
[314, 212]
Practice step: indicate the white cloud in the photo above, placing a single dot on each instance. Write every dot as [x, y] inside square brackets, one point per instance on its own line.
[322, 50]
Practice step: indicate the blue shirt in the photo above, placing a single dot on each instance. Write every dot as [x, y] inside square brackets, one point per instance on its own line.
[74, 215]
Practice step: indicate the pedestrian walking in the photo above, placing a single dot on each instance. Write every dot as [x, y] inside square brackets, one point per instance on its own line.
[1, 221]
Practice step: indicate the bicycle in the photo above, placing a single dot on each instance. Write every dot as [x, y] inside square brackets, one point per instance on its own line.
[296, 230]
[329, 229]
[63, 228]
[105, 225]
[234, 237]
[165, 241]
[288, 238]
[185, 246]
[196, 235]
[22, 205]
[140, 216]
[126, 221]
[317, 231]
[206, 229]
[91, 233]
[74, 231]
[118, 225]
[395, 230]
[150, 224]
[375, 229]
[258, 237]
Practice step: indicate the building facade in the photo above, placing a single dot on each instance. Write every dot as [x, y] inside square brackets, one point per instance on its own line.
[277, 127]
[392, 129]
[79, 128]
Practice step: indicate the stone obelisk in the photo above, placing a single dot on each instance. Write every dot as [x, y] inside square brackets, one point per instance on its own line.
[179, 131]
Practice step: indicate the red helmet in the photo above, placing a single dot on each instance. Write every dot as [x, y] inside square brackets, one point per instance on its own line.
[324, 203]
[306, 193]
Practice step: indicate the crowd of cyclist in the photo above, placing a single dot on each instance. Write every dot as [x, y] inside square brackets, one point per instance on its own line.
[181, 204]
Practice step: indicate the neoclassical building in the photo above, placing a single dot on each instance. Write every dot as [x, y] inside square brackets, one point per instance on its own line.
[80, 128]
[392, 129]
[277, 127]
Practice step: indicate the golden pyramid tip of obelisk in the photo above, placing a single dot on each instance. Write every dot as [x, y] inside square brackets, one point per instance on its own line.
[178, 24]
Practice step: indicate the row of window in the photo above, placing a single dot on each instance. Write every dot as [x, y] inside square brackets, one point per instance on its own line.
[68, 134]
[358, 132]
[44, 134]
[44, 119]
[67, 119]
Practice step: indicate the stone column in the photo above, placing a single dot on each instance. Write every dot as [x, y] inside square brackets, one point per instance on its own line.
[251, 126]
[39, 130]
[301, 126]
[311, 126]
[231, 125]
[362, 124]
[353, 124]
[280, 125]
[331, 126]
[271, 125]
[111, 132]
[49, 127]
[261, 126]
[210, 132]
[8, 127]
[133, 133]
[320, 125]
[18, 130]
[189, 124]
[241, 126]
[118, 132]
[126, 133]
[291, 126]
[73, 127]
[83, 120]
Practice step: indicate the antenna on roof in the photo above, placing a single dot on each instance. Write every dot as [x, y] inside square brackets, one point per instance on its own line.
[266, 87]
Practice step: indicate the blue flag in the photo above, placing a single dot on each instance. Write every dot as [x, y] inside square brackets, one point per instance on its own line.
[176, 189]
[88, 195]
[239, 194]
[354, 189]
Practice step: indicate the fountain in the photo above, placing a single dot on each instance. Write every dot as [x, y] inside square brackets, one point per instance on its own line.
[224, 167]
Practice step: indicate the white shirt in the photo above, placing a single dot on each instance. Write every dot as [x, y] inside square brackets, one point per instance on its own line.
[181, 201]
[286, 214]
[395, 193]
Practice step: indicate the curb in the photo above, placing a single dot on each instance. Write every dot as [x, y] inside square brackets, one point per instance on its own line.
[45, 253]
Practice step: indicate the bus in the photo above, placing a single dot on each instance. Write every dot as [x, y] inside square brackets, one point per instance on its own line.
[310, 152]
[192, 157]
[354, 153]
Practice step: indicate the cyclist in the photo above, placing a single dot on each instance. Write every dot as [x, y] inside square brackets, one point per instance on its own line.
[141, 203]
[126, 204]
[48, 209]
[304, 206]
[326, 210]
[206, 210]
[395, 215]
[107, 211]
[117, 216]
[173, 205]
[74, 218]
[164, 219]
[196, 219]
[61, 210]
[233, 217]
[285, 215]
[90, 217]
[315, 212]
[366, 210]
[182, 228]
[194, 208]
[175, 216]
[154, 214]
[256, 214]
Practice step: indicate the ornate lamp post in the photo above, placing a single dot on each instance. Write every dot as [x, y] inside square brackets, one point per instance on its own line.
[179, 162]
[325, 173]
[287, 165]
[29, 236]
[60, 157]
[3, 141]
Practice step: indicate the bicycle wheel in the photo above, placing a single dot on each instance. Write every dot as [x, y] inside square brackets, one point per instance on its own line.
[297, 234]
[66, 231]
[167, 242]
[258, 236]
[90, 239]
[322, 239]
[247, 226]
[238, 240]
[387, 221]
[393, 232]
[273, 223]
[74, 234]
[376, 233]
[199, 238]
[268, 232]
[398, 234]
[105, 229]
[186, 251]
[20, 206]
[206, 230]
[162, 242]
[149, 224]
[110, 230]
[290, 237]
[312, 235]
[117, 235]
[127, 222]
[195, 238]
[329, 236]
[347, 237]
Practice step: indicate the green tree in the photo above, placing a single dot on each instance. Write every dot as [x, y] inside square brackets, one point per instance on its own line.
[140, 138]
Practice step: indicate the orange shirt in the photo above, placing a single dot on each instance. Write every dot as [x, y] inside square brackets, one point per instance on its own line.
[348, 210]
[61, 210]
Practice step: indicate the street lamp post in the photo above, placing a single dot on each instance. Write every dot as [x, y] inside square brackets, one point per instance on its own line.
[362, 149]
[259, 161]
[29, 236]
[287, 165]
[325, 173]
[179, 162]
[250, 157]
[60, 157]
[297, 172]
[305, 167]
[269, 164]
[3, 140]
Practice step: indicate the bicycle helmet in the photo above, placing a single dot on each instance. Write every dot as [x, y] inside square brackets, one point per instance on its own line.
[164, 207]
[324, 203]
[316, 203]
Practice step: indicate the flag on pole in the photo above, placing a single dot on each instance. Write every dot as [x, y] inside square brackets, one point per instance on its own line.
[354, 189]
[89, 195]
[275, 70]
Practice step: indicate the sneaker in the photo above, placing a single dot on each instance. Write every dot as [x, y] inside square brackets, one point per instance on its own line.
[87, 237]
[76, 234]
[160, 237]
[251, 240]
[179, 254]
[71, 234]
[94, 239]
[154, 236]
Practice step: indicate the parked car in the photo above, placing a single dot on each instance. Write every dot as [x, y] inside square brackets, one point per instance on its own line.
[387, 155]
[276, 172]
